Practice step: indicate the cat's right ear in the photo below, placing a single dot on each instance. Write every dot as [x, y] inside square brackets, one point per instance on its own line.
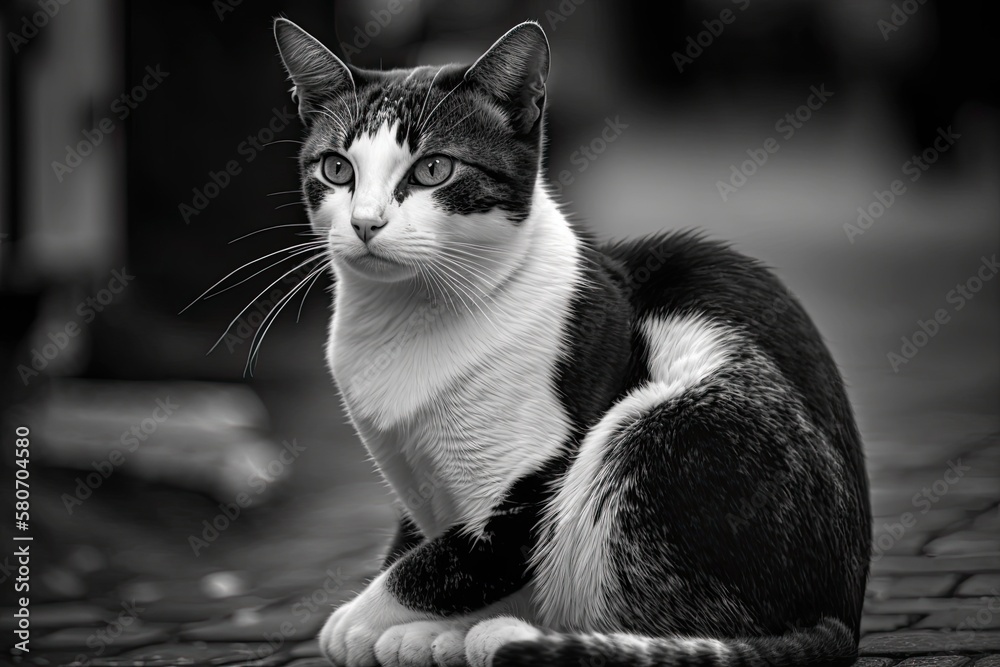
[314, 70]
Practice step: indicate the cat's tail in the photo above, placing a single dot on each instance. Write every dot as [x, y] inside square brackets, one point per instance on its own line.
[829, 644]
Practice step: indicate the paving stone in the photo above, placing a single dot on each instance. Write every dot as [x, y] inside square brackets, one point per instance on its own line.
[58, 615]
[988, 521]
[307, 649]
[935, 661]
[924, 605]
[963, 543]
[194, 610]
[922, 642]
[982, 618]
[980, 584]
[932, 585]
[255, 624]
[137, 634]
[923, 565]
[190, 653]
[884, 622]
[989, 661]
[167, 655]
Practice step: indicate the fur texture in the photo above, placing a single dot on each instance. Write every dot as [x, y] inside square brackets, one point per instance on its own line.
[628, 453]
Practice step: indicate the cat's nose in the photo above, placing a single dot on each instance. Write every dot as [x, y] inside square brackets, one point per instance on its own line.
[366, 229]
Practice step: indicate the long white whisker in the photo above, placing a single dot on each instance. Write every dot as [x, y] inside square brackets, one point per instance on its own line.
[267, 229]
[231, 273]
[254, 300]
[266, 268]
[431, 114]
[272, 317]
[430, 89]
[306, 293]
[456, 276]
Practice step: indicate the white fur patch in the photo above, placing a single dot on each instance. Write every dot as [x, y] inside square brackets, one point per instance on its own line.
[456, 404]
[486, 638]
[576, 586]
[350, 634]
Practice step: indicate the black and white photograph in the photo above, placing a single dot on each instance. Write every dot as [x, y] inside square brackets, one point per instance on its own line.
[458, 333]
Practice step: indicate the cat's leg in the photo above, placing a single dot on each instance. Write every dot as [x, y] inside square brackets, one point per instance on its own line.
[438, 589]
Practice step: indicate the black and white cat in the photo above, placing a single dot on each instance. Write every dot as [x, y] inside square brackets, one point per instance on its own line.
[635, 453]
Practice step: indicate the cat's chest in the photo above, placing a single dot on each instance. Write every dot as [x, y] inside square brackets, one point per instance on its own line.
[452, 416]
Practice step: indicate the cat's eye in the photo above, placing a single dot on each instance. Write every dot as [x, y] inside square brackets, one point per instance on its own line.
[337, 169]
[432, 170]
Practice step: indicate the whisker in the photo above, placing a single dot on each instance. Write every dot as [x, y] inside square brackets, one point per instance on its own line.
[438, 105]
[483, 295]
[455, 282]
[266, 229]
[254, 261]
[284, 192]
[294, 203]
[430, 89]
[266, 268]
[254, 300]
[270, 319]
[304, 295]
[285, 141]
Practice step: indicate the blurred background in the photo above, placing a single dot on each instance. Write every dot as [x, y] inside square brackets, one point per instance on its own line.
[852, 145]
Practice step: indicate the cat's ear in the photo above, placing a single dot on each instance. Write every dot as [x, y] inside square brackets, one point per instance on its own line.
[314, 70]
[513, 71]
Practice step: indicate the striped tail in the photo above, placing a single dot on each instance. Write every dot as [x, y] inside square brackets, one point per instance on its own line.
[828, 644]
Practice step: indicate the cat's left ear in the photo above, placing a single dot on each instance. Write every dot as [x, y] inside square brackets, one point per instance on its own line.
[514, 71]
[313, 68]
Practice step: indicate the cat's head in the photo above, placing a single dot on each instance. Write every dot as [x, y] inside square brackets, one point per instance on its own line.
[415, 172]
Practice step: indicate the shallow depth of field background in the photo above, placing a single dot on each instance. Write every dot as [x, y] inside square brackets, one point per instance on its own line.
[667, 107]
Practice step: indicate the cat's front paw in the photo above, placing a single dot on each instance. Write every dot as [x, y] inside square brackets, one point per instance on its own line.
[423, 644]
[348, 639]
[486, 638]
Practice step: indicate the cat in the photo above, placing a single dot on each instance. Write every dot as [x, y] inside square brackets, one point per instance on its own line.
[637, 452]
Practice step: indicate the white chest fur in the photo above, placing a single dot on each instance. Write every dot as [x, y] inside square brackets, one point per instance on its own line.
[455, 406]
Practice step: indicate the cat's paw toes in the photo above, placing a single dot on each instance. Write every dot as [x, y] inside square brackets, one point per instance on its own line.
[448, 649]
[412, 644]
[484, 639]
[346, 642]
